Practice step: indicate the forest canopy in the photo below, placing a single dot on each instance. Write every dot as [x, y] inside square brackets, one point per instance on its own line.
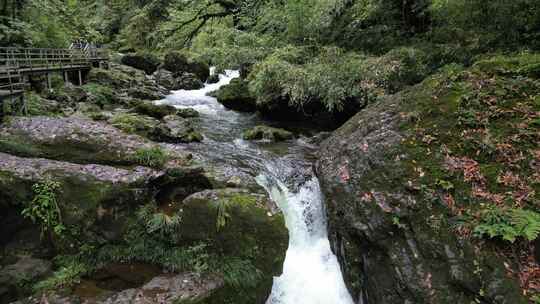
[407, 39]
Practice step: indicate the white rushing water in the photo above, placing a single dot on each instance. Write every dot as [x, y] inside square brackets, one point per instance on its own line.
[198, 99]
[311, 272]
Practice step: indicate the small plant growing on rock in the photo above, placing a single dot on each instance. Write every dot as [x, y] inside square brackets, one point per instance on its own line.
[44, 208]
[153, 157]
[159, 222]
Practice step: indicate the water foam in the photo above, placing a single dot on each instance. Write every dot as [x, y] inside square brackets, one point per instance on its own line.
[311, 272]
[198, 99]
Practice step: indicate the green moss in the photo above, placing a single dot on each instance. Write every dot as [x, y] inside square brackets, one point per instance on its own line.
[267, 133]
[236, 96]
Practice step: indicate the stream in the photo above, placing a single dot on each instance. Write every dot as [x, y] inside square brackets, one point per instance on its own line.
[311, 272]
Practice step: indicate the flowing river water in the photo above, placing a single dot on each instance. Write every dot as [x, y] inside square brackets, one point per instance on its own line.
[311, 272]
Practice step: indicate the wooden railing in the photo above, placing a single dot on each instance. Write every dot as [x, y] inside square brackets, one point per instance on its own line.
[28, 60]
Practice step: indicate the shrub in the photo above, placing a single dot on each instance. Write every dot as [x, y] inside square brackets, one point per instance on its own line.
[332, 78]
[152, 157]
[44, 208]
[100, 94]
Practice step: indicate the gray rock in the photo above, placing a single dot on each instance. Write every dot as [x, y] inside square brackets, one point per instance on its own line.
[175, 129]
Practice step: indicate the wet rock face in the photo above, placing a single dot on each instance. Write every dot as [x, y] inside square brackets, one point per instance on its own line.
[379, 226]
[70, 139]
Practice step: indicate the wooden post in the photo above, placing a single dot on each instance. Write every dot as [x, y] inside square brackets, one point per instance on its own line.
[49, 86]
[80, 78]
[66, 77]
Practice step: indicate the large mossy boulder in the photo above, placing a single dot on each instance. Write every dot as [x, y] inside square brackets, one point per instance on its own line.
[70, 139]
[267, 133]
[146, 62]
[157, 111]
[236, 96]
[179, 63]
[93, 199]
[396, 202]
[175, 129]
[239, 224]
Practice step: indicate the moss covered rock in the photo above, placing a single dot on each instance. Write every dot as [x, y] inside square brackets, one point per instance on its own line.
[175, 129]
[236, 96]
[91, 198]
[390, 176]
[239, 224]
[267, 133]
[70, 139]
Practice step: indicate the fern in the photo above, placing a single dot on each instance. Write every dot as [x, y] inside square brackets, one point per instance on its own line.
[509, 224]
[526, 223]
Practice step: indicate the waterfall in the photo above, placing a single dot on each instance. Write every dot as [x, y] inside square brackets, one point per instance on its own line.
[311, 272]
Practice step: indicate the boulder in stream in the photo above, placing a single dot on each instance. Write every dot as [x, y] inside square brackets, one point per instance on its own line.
[267, 133]
[236, 96]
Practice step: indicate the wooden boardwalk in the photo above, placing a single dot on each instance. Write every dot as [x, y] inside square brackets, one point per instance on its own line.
[17, 65]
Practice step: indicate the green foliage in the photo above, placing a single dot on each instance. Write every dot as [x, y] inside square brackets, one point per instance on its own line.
[509, 224]
[101, 95]
[159, 222]
[67, 276]
[151, 157]
[132, 123]
[240, 273]
[333, 77]
[44, 208]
